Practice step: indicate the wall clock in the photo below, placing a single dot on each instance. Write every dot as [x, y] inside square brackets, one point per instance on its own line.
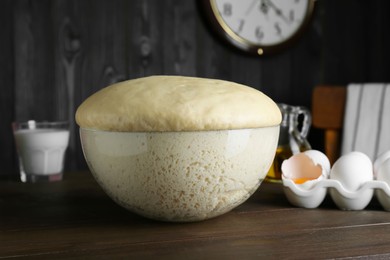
[259, 26]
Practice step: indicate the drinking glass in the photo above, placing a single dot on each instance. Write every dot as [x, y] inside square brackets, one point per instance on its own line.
[41, 149]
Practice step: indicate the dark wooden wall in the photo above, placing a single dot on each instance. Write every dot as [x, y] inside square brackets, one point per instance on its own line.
[55, 53]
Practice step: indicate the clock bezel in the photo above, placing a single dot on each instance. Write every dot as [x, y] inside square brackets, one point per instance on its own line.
[230, 37]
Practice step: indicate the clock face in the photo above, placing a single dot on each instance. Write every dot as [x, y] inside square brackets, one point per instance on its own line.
[260, 24]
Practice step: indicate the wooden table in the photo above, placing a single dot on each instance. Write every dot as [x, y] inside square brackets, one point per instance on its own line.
[75, 219]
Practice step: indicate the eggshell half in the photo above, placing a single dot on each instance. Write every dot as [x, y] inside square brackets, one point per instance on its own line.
[321, 159]
[301, 168]
[306, 167]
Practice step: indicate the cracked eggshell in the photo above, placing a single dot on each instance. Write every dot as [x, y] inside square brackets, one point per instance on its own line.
[352, 170]
[321, 159]
[306, 168]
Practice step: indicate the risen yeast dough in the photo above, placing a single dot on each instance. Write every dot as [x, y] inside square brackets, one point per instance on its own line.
[175, 103]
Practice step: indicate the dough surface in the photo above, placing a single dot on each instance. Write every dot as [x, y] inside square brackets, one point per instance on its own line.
[177, 103]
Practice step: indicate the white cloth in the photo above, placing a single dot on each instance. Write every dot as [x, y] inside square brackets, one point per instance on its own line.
[367, 119]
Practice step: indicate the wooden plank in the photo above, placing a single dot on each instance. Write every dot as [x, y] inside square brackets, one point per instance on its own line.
[7, 96]
[277, 87]
[378, 53]
[346, 42]
[178, 40]
[68, 46]
[247, 70]
[337, 244]
[331, 243]
[144, 35]
[34, 61]
[306, 64]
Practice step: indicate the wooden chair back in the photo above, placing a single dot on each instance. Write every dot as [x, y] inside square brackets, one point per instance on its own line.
[328, 103]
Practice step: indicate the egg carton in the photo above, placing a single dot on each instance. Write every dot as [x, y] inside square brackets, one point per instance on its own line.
[302, 195]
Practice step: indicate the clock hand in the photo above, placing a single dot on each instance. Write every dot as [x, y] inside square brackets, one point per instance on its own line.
[251, 7]
[278, 11]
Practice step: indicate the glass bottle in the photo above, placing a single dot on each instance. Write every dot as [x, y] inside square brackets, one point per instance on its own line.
[294, 128]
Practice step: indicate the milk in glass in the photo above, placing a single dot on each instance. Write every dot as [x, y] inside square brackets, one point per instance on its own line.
[41, 149]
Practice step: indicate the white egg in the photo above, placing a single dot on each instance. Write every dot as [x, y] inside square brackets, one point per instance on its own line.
[352, 170]
[383, 173]
[381, 159]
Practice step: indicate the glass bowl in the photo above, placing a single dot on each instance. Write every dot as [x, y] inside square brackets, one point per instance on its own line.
[180, 176]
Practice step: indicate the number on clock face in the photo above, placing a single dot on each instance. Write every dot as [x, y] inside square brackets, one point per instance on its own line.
[263, 22]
